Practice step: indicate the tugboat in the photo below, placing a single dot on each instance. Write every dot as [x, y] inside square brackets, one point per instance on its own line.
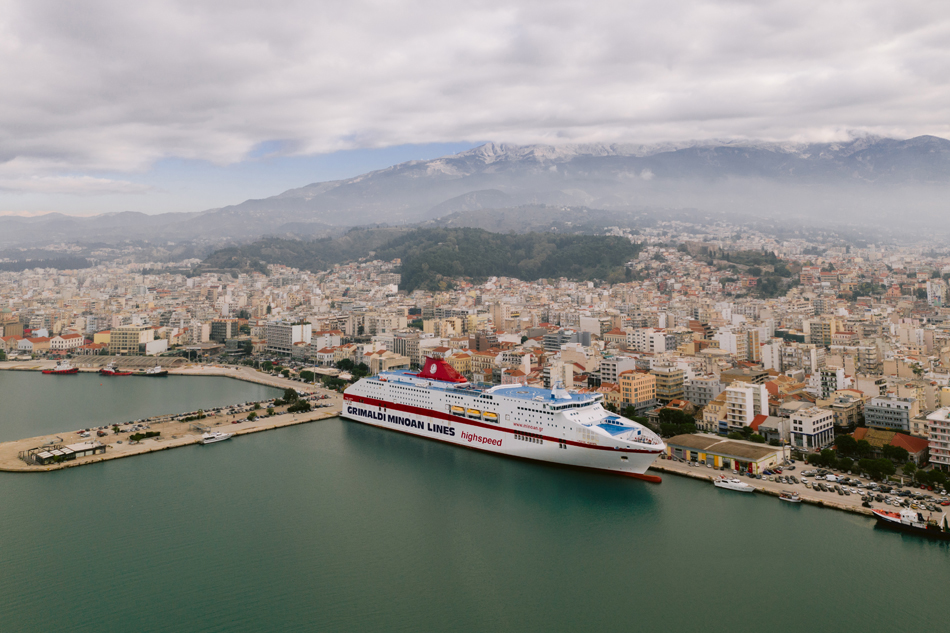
[111, 370]
[732, 483]
[154, 372]
[62, 367]
[914, 522]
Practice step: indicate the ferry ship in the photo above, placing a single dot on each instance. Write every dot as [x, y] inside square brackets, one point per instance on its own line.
[549, 425]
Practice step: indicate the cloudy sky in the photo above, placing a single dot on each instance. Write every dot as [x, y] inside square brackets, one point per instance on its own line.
[165, 105]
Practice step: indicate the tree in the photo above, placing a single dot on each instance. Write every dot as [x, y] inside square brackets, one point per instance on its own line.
[896, 453]
[244, 328]
[846, 444]
[758, 439]
[910, 469]
[285, 373]
[863, 448]
[828, 458]
[300, 406]
[257, 405]
[734, 435]
[3, 355]
[814, 459]
[345, 364]
[774, 442]
[290, 395]
[307, 375]
[267, 365]
[845, 464]
[252, 415]
[270, 411]
[269, 309]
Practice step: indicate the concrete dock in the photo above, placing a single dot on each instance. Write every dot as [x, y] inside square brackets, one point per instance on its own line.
[810, 495]
[173, 435]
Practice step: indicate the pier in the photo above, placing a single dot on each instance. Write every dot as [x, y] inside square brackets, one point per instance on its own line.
[173, 431]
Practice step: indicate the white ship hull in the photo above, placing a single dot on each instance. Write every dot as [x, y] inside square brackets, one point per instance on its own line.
[569, 438]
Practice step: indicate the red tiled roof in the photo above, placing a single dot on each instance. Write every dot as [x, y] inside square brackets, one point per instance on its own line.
[757, 420]
[909, 442]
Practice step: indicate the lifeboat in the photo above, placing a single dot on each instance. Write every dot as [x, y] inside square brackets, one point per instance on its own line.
[474, 414]
[491, 416]
[458, 410]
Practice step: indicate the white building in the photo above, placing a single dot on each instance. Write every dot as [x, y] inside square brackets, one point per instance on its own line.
[67, 342]
[744, 401]
[282, 336]
[813, 428]
[938, 432]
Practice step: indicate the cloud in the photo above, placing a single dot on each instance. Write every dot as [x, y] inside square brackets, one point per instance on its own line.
[73, 185]
[109, 86]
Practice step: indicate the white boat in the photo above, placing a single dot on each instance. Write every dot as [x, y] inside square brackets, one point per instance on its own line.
[791, 497]
[732, 483]
[215, 436]
[550, 425]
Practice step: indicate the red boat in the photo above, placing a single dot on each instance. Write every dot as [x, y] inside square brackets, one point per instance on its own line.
[110, 370]
[62, 367]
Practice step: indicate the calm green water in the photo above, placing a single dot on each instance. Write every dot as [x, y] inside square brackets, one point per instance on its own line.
[34, 404]
[336, 526]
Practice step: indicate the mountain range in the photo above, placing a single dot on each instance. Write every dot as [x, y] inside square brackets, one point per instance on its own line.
[854, 182]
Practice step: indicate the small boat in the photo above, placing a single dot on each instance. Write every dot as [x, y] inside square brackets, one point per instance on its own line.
[732, 483]
[154, 372]
[215, 436]
[914, 522]
[490, 416]
[791, 497]
[111, 370]
[62, 367]
[458, 410]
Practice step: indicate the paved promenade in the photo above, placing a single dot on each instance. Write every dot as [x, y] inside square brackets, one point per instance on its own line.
[831, 499]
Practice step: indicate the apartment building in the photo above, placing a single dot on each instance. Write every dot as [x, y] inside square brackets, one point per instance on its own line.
[939, 438]
[637, 390]
[891, 413]
[126, 339]
[812, 428]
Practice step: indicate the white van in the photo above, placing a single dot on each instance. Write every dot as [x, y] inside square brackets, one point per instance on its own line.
[832, 478]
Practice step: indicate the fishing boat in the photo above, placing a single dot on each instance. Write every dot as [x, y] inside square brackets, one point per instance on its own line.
[791, 497]
[914, 523]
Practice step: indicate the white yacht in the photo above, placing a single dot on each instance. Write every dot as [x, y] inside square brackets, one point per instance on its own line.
[732, 483]
[215, 436]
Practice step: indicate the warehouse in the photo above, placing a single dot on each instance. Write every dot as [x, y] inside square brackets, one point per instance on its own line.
[718, 452]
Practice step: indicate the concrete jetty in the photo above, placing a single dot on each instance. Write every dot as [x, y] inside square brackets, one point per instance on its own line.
[174, 431]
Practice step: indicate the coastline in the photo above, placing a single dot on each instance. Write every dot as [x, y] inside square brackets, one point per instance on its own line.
[810, 496]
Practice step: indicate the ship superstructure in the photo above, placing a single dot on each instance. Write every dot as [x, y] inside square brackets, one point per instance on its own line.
[552, 425]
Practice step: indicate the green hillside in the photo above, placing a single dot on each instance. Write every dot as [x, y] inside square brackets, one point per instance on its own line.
[432, 258]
